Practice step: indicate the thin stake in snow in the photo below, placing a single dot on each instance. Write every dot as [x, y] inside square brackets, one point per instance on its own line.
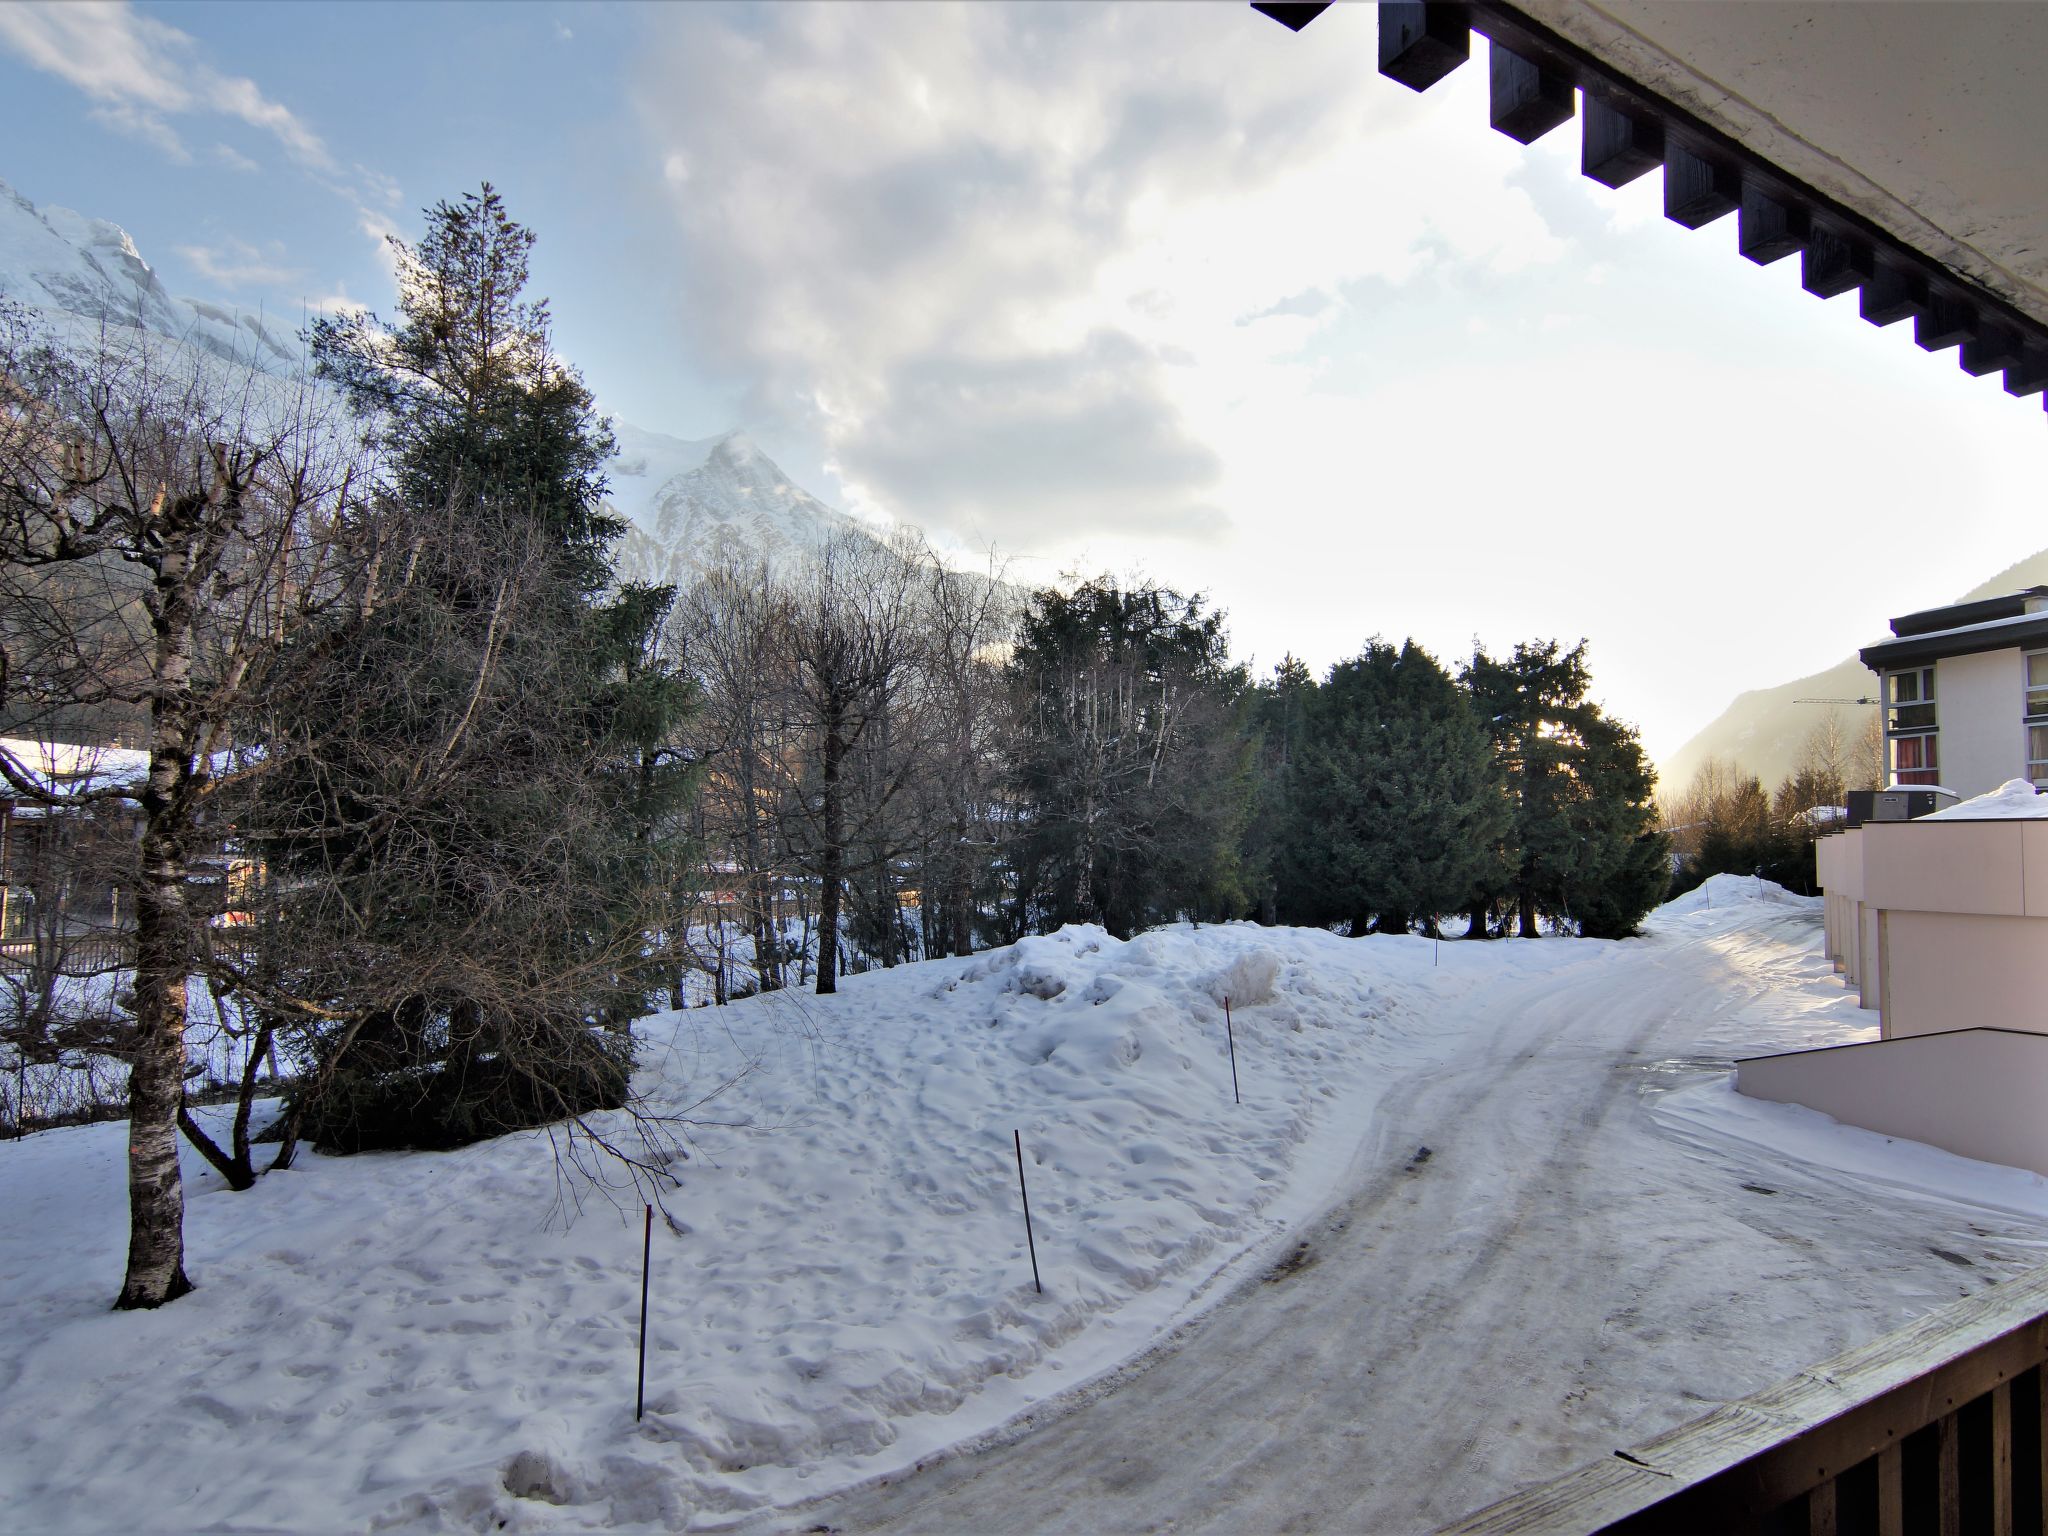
[1230, 1034]
[646, 1262]
[1032, 1242]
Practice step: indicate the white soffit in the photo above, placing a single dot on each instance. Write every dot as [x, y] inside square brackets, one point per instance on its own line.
[1929, 118]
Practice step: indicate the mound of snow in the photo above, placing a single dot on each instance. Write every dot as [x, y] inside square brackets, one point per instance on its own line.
[2014, 800]
[1720, 893]
[1248, 980]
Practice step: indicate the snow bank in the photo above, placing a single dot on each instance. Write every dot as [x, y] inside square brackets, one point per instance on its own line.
[1807, 1136]
[415, 1342]
[2014, 800]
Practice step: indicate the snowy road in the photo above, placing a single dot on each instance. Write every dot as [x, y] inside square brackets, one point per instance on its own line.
[1530, 1269]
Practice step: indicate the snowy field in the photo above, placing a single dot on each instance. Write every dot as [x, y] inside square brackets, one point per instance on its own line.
[422, 1342]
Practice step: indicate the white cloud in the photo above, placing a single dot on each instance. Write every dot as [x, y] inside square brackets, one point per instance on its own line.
[338, 302]
[1023, 263]
[140, 73]
[236, 263]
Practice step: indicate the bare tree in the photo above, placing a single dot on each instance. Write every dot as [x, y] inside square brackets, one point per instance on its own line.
[165, 524]
[726, 637]
[851, 643]
[969, 620]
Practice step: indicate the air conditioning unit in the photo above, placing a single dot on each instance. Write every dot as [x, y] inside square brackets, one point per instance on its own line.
[1902, 802]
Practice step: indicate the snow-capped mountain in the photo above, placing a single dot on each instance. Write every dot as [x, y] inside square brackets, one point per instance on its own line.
[74, 270]
[690, 502]
[695, 503]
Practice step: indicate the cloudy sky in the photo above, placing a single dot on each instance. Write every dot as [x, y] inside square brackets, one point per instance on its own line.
[1155, 288]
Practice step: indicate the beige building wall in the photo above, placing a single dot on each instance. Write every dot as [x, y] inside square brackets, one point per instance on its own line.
[1944, 866]
[1952, 927]
[1977, 1092]
[1957, 970]
[1839, 856]
[1978, 704]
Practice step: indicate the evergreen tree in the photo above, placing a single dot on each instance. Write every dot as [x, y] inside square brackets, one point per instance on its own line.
[1586, 849]
[477, 826]
[1133, 771]
[1279, 724]
[1398, 811]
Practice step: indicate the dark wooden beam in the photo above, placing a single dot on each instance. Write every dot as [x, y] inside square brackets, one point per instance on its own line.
[1945, 322]
[1994, 348]
[1630, 127]
[1769, 229]
[1421, 41]
[1892, 293]
[2029, 375]
[1617, 148]
[1833, 262]
[1697, 190]
[1291, 14]
[1525, 101]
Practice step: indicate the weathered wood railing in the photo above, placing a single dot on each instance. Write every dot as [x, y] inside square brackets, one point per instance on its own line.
[1936, 1428]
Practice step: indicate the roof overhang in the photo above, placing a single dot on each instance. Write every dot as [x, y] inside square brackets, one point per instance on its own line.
[2029, 631]
[1895, 149]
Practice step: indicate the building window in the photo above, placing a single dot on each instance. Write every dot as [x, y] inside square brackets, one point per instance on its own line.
[2037, 717]
[1909, 726]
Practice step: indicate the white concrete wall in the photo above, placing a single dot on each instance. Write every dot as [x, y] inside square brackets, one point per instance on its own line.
[1978, 704]
[1975, 1092]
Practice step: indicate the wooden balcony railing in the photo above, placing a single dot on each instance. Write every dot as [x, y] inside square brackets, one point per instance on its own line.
[1937, 1428]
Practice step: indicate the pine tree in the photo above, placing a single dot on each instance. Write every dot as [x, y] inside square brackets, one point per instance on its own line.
[1133, 771]
[1279, 725]
[1399, 813]
[1586, 849]
[480, 821]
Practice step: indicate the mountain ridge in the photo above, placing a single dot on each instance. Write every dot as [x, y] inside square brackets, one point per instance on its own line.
[1764, 731]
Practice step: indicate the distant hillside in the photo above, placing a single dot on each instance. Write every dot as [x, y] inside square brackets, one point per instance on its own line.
[1765, 731]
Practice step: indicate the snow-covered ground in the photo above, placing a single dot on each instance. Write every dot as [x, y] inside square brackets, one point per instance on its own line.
[421, 1342]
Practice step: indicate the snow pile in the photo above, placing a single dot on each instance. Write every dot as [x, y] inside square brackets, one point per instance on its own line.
[2014, 800]
[1725, 892]
[412, 1341]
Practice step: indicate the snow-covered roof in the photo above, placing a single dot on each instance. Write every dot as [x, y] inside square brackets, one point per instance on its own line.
[1821, 815]
[2014, 800]
[61, 768]
[1962, 640]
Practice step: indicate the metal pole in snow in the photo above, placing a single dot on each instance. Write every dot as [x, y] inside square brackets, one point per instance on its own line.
[646, 1260]
[1231, 1034]
[1018, 1137]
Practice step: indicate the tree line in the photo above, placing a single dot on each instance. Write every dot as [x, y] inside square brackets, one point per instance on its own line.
[489, 804]
[1726, 822]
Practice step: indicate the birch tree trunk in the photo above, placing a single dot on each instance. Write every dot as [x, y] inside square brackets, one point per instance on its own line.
[156, 1081]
